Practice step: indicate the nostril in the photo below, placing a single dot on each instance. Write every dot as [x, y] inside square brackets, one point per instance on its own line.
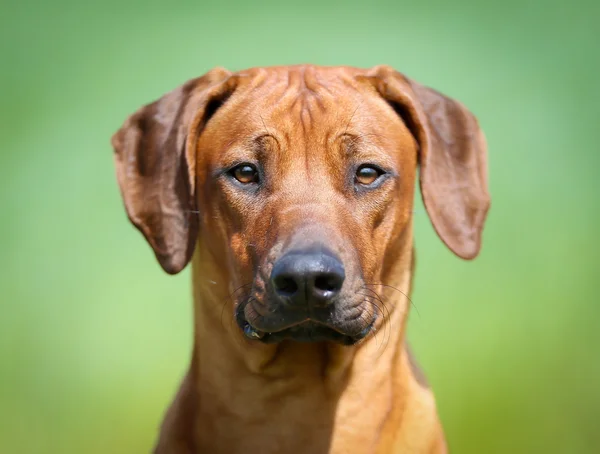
[328, 283]
[302, 278]
[285, 285]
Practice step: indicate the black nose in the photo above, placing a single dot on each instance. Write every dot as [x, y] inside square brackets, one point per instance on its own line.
[308, 277]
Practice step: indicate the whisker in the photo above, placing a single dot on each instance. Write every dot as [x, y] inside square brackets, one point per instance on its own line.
[243, 341]
[385, 313]
[400, 291]
[385, 341]
[229, 298]
[374, 331]
[351, 117]
[264, 124]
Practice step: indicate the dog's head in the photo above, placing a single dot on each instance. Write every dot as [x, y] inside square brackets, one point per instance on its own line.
[300, 181]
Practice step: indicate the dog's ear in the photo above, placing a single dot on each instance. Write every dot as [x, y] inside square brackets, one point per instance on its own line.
[155, 162]
[452, 158]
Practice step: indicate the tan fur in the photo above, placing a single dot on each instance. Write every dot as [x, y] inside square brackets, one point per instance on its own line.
[305, 124]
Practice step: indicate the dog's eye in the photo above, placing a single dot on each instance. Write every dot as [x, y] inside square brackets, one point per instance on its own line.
[245, 173]
[368, 174]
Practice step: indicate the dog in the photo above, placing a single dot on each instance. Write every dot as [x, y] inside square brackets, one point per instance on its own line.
[290, 189]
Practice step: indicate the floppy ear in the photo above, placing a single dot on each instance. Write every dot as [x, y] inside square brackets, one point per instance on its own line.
[155, 162]
[452, 157]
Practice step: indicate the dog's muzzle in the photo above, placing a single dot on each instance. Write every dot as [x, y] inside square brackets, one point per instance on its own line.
[305, 302]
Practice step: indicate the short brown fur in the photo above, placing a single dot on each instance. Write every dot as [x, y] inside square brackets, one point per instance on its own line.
[307, 126]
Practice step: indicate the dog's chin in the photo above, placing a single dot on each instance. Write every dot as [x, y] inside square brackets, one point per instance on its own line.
[308, 330]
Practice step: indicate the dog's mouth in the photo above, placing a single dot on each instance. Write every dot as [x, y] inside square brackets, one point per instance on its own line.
[306, 330]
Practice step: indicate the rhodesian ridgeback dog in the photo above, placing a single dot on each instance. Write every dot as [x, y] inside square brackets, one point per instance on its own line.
[290, 189]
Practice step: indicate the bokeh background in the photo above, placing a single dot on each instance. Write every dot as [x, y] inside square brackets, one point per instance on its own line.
[94, 337]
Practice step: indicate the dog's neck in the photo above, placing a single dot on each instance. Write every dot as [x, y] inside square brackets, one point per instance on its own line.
[292, 394]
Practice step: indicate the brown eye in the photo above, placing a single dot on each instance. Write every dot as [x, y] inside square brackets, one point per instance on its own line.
[367, 175]
[245, 173]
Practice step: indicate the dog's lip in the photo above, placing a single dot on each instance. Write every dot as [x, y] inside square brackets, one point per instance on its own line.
[309, 331]
[263, 321]
[305, 328]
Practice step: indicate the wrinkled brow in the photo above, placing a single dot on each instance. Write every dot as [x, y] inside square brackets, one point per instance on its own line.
[355, 143]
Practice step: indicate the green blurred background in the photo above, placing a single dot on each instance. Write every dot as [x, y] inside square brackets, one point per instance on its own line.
[94, 337]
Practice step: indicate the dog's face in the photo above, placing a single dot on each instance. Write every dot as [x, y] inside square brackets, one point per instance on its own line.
[303, 178]
[305, 194]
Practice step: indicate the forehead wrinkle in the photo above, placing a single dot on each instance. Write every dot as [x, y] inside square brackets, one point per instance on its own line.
[264, 146]
[257, 146]
[352, 141]
[300, 102]
[359, 145]
[303, 93]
